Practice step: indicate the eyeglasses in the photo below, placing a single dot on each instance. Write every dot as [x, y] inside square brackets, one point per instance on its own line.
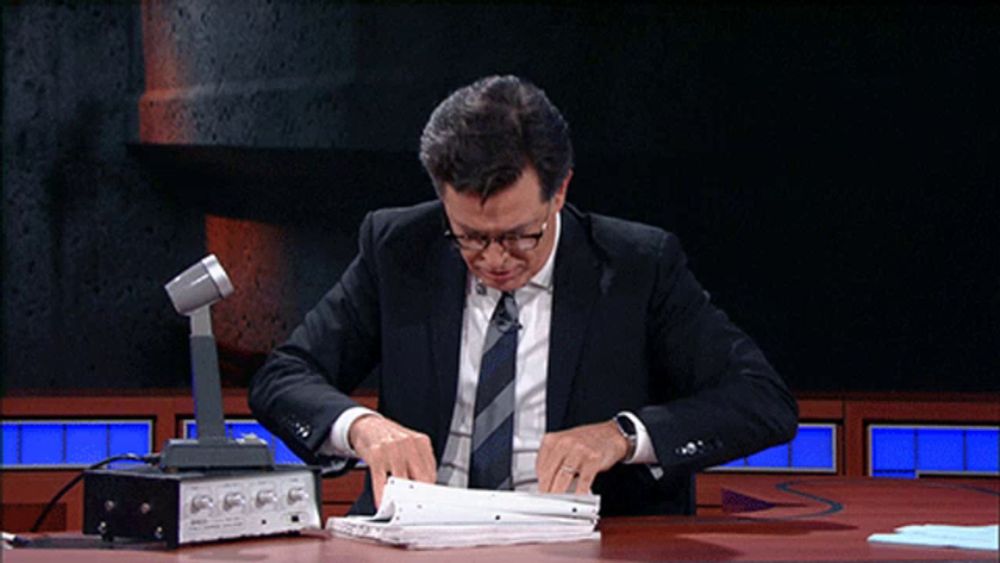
[511, 242]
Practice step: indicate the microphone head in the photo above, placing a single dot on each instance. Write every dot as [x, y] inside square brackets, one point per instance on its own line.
[199, 286]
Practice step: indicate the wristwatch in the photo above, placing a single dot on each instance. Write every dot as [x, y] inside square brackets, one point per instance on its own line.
[627, 428]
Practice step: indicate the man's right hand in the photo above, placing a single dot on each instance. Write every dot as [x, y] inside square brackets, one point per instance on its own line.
[391, 449]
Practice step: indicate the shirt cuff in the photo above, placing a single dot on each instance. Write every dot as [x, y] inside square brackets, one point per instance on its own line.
[644, 452]
[338, 444]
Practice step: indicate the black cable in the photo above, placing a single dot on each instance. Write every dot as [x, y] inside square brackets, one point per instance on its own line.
[52, 503]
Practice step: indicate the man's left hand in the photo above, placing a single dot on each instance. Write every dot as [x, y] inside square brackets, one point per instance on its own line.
[579, 453]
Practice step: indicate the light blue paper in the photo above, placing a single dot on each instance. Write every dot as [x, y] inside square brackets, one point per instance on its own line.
[941, 535]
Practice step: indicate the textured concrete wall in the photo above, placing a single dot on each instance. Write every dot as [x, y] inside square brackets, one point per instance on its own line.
[831, 172]
[261, 73]
[329, 76]
[88, 238]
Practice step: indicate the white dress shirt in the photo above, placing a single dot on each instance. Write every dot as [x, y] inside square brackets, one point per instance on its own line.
[534, 303]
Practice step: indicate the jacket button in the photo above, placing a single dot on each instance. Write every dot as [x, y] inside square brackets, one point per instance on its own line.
[687, 449]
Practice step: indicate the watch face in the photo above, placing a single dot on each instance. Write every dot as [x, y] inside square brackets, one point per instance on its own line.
[625, 423]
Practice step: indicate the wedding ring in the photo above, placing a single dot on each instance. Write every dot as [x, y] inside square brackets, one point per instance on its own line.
[568, 469]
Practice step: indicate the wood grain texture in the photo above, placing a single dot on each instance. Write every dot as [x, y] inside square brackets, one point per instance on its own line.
[775, 519]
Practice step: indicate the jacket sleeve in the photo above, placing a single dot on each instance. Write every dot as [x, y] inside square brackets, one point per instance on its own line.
[302, 387]
[729, 401]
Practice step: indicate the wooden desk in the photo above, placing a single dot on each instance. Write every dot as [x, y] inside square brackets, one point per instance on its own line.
[779, 518]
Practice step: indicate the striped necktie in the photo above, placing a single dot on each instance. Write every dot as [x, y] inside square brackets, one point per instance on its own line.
[493, 425]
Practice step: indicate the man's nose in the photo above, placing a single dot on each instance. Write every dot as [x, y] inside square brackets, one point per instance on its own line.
[494, 254]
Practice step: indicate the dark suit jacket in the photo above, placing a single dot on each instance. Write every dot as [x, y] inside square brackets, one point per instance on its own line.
[631, 330]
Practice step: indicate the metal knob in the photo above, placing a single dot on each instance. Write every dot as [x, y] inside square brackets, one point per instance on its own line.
[297, 494]
[202, 502]
[266, 497]
[233, 500]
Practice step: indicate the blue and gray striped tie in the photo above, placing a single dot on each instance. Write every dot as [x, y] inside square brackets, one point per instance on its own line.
[493, 426]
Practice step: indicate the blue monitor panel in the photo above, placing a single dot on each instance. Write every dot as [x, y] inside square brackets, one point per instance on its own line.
[982, 454]
[774, 457]
[912, 450]
[42, 443]
[128, 437]
[282, 453]
[190, 430]
[71, 443]
[893, 451]
[814, 448]
[895, 473]
[940, 449]
[11, 444]
[739, 462]
[86, 443]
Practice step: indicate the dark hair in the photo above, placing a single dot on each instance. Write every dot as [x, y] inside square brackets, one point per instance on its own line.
[481, 137]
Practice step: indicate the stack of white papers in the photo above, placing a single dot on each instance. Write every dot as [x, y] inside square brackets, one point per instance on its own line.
[939, 535]
[422, 516]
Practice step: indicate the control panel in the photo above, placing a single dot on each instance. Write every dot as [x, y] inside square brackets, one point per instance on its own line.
[255, 505]
[191, 507]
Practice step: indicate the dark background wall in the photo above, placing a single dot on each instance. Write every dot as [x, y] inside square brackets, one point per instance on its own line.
[831, 170]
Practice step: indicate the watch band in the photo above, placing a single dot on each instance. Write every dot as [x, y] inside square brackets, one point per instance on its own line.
[627, 428]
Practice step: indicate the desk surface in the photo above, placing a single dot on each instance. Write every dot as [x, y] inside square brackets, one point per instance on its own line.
[776, 518]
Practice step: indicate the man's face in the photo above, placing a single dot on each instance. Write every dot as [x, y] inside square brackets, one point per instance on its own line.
[517, 209]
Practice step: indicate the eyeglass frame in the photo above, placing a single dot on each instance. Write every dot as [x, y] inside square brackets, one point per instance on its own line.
[507, 241]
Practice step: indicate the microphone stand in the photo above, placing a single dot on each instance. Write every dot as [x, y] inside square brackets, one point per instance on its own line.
[212, 449]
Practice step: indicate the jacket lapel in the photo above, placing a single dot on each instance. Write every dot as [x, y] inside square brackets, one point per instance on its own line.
[447, 299]
[576, 289]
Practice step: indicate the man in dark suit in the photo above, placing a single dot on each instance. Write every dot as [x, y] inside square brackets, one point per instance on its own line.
[519, 342]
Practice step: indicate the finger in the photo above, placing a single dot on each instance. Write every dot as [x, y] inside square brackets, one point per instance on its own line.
[413, 454]
[546, 463]
[378, 483]
[398, 465]
[418, 471]
[562, 480]
[586, 479]
[564, 474]
[426, 465]
[546, 476]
